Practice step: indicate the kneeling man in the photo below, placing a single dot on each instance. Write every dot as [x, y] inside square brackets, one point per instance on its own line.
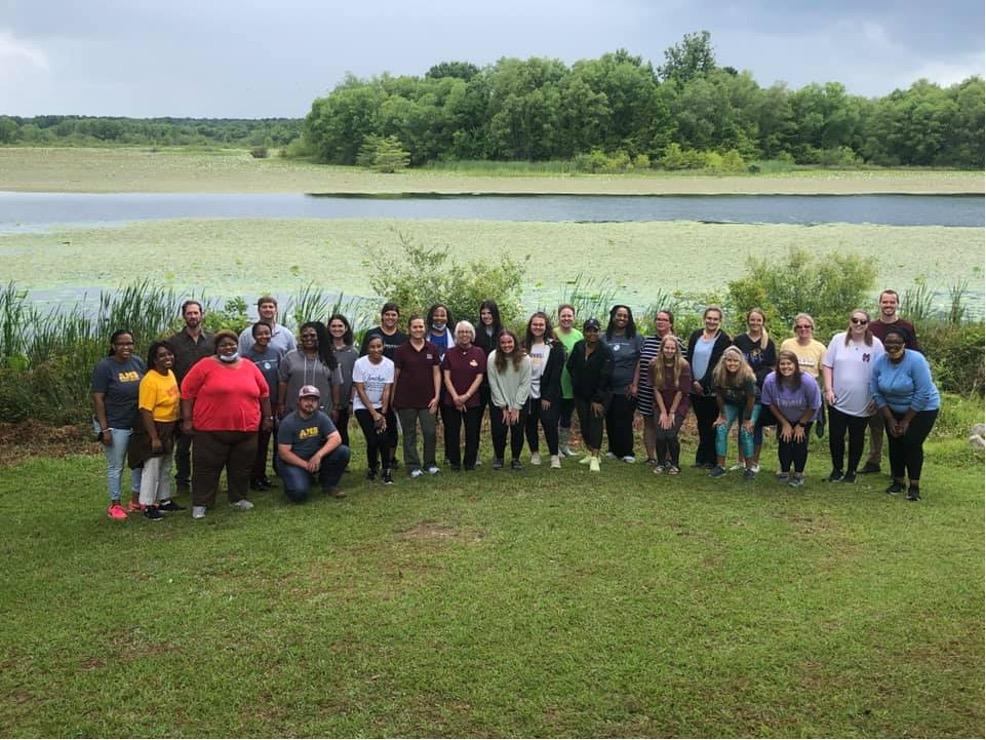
[310, 446]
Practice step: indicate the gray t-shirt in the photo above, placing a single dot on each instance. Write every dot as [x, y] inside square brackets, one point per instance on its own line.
[626, 355]
[281, 340]
[120, 384]
[267, 362]
[298, 369]
[306, 436]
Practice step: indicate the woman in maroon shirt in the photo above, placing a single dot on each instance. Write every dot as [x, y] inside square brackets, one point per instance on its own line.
[462, 373]
[224, 401]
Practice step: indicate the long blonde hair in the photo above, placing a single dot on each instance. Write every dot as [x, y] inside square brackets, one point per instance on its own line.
[764, 338]
[721, 377]
[657, 364]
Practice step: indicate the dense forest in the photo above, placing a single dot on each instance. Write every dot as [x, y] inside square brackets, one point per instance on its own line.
[621, 108]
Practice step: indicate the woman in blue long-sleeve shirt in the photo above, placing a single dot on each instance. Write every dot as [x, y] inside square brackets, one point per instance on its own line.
[908, 400]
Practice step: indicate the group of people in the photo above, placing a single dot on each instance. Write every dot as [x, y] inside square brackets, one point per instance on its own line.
[214, 402]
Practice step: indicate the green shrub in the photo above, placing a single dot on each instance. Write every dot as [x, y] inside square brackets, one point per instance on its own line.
[956, 355]
[599, 162]
[383, 154]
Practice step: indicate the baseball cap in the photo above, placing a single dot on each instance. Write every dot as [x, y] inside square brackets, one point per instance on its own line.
[309, 390]
[591, 324]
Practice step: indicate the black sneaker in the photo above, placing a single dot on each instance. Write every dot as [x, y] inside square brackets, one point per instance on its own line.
[515, 465]
[913, 494]
[497, 464]
[894, 488]
[849, 477]
[454, 467]
[371, 474]
[153, 513]
[258, 485]
[835, 476]
[870, 467]
[170, 505]
[388, 479]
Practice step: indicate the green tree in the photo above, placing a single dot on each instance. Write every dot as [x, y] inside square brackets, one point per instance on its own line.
[691, 57]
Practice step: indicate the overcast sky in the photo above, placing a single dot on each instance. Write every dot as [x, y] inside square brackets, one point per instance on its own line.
[258, 58]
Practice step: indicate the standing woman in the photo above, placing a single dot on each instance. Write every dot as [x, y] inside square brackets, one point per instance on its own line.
[373, 380]
[625, 344]
[346, 353]
[847, 368]
[462, 372]
[793, 399]
[439, 317]
[509, 372]
[159, 406]
[417, 394]
[908, 401]
[736, 396]
[591, 367]
[651, 348]
[811, 354]
[313, 363]
[487, 331]
[568, 335]
[547, 361]
[115, 389]
[705, 348]
[761, 355]
[267, 359]
[224, 401]
[671, 383]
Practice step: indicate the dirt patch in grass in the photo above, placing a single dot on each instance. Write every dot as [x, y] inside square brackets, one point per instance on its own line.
[29, 439]
[429, 530]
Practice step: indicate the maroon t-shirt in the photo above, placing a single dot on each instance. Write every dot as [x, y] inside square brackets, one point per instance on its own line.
[415, 386]
[906, 328]
[464, 365]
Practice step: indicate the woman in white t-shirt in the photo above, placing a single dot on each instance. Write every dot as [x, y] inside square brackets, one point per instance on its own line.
[373, 381]
[846, 369]
[547, 361]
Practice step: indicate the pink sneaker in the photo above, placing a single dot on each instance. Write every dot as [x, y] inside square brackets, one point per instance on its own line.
[115, 511]
[133, 507]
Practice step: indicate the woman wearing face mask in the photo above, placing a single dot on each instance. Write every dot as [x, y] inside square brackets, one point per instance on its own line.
[705, 348]
[793, 400]
[591, 367]
[671, 383]
[625, 344]
[846, 368]
[313, 363]
[568, 335]
[509, 372]
[547, 357]
[439, 334]
[224, 401]
[115, 389]
[649, 350]
[345, 352]
[267, 359]
[462, 372]
[908, 401]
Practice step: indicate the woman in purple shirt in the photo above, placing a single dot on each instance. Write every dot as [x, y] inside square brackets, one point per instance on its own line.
[793, 399]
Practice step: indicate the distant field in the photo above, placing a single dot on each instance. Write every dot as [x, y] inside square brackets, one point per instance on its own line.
[249, 256]
[235, 171]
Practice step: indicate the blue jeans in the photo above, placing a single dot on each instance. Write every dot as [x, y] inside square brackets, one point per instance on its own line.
[735, 413]
[298, 480]
[116, 458]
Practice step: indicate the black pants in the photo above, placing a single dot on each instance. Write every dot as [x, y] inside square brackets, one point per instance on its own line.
[793, 453]
[378, 447]
[590, 425]
[839, 424]
[706, 412]
[619, 424]
[565, 408]
[454, 420]
[183, 458]
[666, 442]
[213, 451]
[907, 452]
[549, 422]
[342, 425]
[499, 430]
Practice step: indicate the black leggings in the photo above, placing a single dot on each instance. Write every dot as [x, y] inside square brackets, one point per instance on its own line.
[619, 424]
[566, 407]
[500, 429]
[590, 425]
[549, 422]
[839, 424]
[907, 452]
[377, 443]
[666, 441]
[706, 412]
[793, 453]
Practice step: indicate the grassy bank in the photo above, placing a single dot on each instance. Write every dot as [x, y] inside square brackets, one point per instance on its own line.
[641, 257]
[235, 171]
[521, 604]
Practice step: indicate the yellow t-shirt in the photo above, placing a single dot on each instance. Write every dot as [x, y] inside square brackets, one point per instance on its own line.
[809, 357]
[159, 395]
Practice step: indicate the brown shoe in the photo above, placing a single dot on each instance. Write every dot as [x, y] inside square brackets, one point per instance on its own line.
[336, 492]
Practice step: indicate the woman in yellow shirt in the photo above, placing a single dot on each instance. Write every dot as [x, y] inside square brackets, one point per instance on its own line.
[159, 405]
[810, 353]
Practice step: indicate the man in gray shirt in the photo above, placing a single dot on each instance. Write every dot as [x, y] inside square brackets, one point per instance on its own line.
[310, 446]
[281, 340]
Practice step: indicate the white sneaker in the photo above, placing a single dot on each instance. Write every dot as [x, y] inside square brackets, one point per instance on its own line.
[737, 466]
[433, 470]
[566, 451]
[535, 458]
[586, 460]
[755, 467]
[243, 505]
[555, 462]
[610, 456]
[629, 459]
[198, 512]
[416, 473]
[594, 465]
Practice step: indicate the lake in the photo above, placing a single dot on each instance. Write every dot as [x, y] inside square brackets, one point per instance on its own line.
[25, 212]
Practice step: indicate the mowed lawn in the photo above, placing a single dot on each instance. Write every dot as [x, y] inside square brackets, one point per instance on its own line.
[527, 603]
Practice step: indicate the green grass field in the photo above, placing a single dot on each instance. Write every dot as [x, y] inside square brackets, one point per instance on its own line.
[94, 170]
[538, 603]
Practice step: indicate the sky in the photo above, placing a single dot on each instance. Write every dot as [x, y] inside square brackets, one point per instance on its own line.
[272, 58]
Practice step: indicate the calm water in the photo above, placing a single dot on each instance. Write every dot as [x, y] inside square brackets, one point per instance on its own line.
[34, 211]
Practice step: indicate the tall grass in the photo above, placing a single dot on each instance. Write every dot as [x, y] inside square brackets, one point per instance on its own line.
[482, 167]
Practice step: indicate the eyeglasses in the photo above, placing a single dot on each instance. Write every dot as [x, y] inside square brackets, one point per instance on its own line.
[859, 322]
[803, 326]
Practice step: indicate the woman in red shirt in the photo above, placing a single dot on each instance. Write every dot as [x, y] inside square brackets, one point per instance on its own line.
[222, 401]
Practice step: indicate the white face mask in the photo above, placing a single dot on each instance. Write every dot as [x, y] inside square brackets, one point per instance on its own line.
[438, 327]
[229, 358]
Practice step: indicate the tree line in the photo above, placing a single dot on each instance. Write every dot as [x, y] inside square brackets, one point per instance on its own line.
[620, 105]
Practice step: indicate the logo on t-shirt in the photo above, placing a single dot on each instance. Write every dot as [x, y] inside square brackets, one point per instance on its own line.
[473, 363]
[307, 433]
[429, 357]
[128, 377]
[866, 357]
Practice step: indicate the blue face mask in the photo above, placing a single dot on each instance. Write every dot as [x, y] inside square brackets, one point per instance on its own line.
[229, 358]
